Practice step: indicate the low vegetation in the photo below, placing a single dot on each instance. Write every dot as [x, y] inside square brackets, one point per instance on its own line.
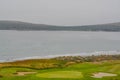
[65, 68]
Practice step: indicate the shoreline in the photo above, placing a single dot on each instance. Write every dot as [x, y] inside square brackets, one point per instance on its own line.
[63, 55]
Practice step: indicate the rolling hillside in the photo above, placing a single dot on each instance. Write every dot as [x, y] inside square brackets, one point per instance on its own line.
[17, 25]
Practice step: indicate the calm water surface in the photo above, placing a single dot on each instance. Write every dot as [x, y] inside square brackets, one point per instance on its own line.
[27, 44]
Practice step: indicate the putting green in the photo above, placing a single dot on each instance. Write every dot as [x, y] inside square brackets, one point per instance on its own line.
[61, 74]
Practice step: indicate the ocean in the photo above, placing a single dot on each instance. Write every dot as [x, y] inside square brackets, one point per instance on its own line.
[18, 45]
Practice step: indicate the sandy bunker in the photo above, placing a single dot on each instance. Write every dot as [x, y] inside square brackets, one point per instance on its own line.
[24, 73]
[102, 74]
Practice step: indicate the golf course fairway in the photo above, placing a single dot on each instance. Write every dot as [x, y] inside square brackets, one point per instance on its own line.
[61, 74]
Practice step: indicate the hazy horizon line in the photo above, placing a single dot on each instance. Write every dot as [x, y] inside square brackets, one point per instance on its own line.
[61, 25]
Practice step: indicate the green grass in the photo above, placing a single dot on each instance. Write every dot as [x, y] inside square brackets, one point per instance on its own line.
[11, 71]
[78, 71]
[60, 74]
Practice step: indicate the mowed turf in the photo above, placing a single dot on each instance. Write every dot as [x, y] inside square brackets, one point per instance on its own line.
[78, 71]
[11, 71]
[61, 74]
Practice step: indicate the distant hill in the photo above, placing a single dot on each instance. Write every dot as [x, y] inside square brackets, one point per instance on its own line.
[17, 25]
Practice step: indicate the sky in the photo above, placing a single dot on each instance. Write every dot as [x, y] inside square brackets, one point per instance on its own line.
[61, 12]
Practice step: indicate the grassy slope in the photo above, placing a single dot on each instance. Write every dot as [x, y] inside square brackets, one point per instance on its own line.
[86, 68]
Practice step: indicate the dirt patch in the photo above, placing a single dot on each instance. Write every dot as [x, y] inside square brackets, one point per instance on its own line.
[24, 73]
[101, 75]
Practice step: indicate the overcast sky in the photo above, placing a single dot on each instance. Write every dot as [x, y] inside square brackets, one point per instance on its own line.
[61, 12]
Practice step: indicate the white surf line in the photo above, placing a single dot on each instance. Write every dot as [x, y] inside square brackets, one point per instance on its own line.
[76, 54]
